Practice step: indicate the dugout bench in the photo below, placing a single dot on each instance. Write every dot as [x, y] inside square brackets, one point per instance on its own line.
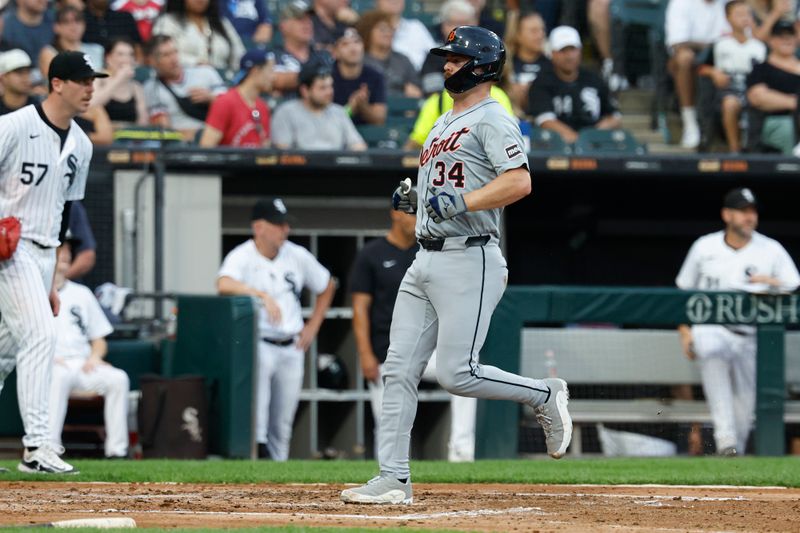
[629, 357]
[498, 422]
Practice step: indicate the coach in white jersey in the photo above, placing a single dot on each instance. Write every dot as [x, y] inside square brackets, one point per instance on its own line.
[735, 259]
[44, 161]
[275, 270]
[79, 363]
[471, 166]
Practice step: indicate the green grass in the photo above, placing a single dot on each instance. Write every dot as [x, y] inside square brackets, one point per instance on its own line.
[780, 471]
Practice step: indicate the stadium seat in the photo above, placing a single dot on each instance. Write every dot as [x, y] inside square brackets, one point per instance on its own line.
[391, 137]
[548, 141]
[402, 111]
[594, 141]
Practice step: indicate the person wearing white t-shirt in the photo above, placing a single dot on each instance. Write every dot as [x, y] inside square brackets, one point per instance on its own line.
[275, 271]
[411, 37]
[79, 363]
[728, 65]
[735, 259]
[690, 27]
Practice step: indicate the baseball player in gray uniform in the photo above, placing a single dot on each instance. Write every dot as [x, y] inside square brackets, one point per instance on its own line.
[471, 166]
[44, 161]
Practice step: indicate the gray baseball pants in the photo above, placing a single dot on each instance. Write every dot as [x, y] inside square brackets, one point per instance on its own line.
[445, 301]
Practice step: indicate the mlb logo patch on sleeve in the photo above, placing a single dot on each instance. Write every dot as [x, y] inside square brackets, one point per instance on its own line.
[513, 151]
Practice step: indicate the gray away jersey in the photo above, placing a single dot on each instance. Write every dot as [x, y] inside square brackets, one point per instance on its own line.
[37, 176]
[463, 153]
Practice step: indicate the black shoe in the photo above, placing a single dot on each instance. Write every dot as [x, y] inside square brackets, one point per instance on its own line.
[263, 452]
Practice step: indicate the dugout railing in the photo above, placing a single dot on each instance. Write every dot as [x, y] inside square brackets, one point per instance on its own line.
[498, 422]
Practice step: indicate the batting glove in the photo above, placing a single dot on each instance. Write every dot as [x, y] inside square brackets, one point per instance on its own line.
[404, 197]
[443, 205]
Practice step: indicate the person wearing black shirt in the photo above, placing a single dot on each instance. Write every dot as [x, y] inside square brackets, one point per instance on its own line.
[104, 24]
[773, 86]
[452, 14]
[528, 59]
[358, 87]
[569, 98]
[374, 281]
[15, 75]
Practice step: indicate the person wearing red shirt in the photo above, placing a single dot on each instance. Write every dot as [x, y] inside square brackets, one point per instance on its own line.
[240, 117]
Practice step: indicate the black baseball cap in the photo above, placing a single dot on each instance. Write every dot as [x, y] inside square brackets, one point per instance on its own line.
[75, 66]
[739, 199]
[782, 27]
[315, 68]
[272, 210]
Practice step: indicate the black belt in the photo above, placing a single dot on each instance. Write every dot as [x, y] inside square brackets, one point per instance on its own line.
[278, 342]
[436, 245]
[40, 245]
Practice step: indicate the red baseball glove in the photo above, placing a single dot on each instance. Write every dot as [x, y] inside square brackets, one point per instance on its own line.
[9, 237]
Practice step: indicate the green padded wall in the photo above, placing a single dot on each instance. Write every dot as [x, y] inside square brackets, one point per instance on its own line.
[216, 339]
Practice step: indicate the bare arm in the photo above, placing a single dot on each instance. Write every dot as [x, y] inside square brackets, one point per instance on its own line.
[82, 264]
[263, 33]
[228, 286]
[568, 134]
[103, 130]
[141, 105]
[99, 349]
[765, 99]
[362, 302]
[314, 322]
[610, 122]
[211, 137]
[505, 189]
[687, 344]
[374, 113]
[285, 81]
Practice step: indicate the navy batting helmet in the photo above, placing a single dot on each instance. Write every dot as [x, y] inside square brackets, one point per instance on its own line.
[486, 50]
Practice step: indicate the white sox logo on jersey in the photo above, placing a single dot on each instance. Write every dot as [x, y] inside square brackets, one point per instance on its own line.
[437, 146]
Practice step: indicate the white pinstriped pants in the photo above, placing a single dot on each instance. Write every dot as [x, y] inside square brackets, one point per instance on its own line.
[28, 334]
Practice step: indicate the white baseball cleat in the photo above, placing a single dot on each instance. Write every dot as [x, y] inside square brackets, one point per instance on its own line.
[554, 418]
[380, 490]
[45, 460]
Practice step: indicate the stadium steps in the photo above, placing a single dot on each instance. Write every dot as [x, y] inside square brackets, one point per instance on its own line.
[636, 105]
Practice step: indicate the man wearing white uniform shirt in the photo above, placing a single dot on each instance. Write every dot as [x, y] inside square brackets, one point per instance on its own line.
[735, 259]
[275, 270]
[691, 26]
[81, 328]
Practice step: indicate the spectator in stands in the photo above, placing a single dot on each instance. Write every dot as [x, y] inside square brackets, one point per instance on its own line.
[691, 26]
[567, 97]
[773, 87]
[411, 37]
[453, 13]
[69, 29]
[144, 12]
[297, 50]
[81, 241]
[767, 12]
[599, 17]
[201, 35]
[250, 18]
[728, 65]
[120, 94]
[400, 75]
[79, 363]
[440, 103]
[178, 97]
[240, 117]
[527, 56]
[490, 18]
[29, 27]
[15, 77]
[104, 24]
[96, 124]
[314, 122]
[358, 87]
[330, 18]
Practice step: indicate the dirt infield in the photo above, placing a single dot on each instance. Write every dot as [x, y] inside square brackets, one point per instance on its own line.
[437, 506]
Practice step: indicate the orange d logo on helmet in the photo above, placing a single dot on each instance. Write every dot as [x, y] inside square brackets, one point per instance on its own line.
[452, 36]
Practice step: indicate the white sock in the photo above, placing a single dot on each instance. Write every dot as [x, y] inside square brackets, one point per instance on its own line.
[689, 116]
